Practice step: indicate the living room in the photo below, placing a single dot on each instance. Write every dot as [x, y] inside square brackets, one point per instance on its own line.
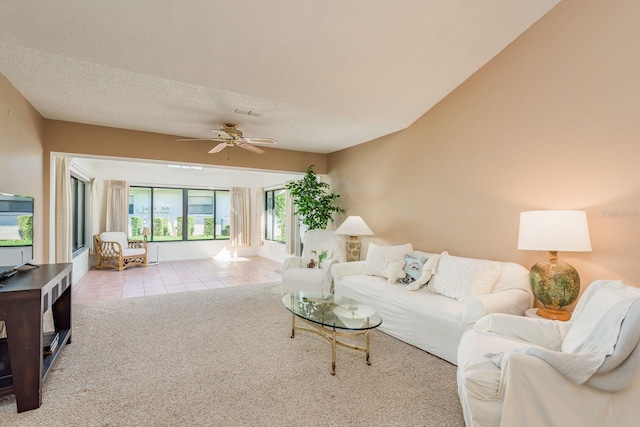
[548, 123]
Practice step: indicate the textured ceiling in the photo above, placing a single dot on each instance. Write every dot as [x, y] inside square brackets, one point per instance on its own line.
[325, 75]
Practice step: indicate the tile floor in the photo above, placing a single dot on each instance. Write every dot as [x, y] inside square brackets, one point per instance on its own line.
[174, 276]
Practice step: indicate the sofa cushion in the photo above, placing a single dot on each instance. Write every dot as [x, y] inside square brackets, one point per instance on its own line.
[395, 271]
[463, 278]
[378, 257]
[412, 268]
[427, 272]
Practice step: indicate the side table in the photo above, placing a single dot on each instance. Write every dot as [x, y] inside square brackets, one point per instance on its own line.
[533, 312]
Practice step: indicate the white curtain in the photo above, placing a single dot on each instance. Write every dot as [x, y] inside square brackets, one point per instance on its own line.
[259, 217]
[63, 209]
[240, 222]
[118, 206]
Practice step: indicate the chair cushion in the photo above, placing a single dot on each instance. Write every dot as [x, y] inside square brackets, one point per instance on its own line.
[115, 236]
[133, 251]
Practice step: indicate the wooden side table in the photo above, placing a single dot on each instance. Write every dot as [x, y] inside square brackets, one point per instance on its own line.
[23, 300]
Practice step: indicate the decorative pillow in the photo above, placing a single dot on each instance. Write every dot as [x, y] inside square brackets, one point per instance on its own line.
[463, 278]
[317, 258]
[378, 257]
[427, 271]
[412, 268]
[395, 271]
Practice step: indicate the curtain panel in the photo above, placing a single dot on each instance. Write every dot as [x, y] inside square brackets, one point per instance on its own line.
[118, 206]
[240, 222]
[63, 222]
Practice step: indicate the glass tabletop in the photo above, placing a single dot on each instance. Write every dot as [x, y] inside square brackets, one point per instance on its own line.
[331, 310]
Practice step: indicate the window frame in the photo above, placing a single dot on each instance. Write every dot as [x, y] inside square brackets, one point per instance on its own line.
[184, 234]
[269, 212]
[78, 219]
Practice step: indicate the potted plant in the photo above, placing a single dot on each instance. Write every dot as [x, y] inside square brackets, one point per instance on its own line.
[313, 201]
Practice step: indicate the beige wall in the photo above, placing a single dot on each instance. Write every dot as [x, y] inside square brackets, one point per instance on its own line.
[553, 122]
[21, 155]
[68, 137]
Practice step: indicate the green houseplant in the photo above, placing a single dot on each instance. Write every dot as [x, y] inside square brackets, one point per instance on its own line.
[313, 200]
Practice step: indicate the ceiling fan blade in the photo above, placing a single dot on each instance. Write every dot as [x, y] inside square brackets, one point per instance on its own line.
[250, 147]
[218, 148]
[198, 139]
[223, 135]
[260, 140]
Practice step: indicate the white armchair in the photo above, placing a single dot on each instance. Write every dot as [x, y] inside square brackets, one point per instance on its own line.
[296, 276]
[523, 371]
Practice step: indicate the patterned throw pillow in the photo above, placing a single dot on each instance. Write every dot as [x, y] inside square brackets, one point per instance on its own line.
[317, 258]
[412, 268]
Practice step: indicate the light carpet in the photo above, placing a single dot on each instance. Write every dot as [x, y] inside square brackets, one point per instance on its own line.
[224, 357]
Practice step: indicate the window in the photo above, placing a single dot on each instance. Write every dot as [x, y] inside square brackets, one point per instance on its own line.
[275, 218]
[78, 220]
[163, 211]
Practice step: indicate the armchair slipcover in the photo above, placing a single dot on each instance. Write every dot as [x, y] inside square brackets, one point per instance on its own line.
[295, 274]
[535, 372]
[114, 250]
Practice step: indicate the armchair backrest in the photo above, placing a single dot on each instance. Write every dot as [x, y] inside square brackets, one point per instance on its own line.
[322, 240]
[115, 236]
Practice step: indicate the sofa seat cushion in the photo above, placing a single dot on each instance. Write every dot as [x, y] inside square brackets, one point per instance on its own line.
[426, 320]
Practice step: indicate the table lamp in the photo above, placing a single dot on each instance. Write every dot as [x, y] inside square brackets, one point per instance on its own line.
[554, 283]
[353, 227]
[145, 233]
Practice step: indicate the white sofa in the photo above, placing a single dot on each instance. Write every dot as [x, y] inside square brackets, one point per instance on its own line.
[428, 320]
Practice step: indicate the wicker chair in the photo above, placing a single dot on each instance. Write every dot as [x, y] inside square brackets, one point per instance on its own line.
[114, 250]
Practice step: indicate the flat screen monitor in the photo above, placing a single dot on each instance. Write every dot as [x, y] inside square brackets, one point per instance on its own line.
[16, 232]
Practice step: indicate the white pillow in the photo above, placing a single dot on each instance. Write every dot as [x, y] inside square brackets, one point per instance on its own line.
[395, 271]
[378, 257]
[463, 278]
[427, 272]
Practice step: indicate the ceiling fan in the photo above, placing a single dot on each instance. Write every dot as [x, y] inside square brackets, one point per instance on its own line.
[230, 136]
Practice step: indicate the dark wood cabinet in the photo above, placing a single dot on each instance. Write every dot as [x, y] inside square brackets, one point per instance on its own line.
[23, 300]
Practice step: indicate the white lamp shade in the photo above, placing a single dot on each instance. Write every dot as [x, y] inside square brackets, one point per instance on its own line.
[354, 226]
[554, 230]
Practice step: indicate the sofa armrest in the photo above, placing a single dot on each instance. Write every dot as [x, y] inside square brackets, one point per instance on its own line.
[542, 332]
[510, 301]
[347, 269]
[292, 262]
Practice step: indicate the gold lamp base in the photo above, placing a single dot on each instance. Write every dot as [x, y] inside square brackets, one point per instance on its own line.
[556, 285]
[547, 313]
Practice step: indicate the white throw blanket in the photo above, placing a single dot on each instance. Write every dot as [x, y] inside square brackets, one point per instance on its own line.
[605, 328]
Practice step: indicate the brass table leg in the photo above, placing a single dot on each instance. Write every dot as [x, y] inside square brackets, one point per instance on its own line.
[293, 325]
[366, 338]
[333, 352]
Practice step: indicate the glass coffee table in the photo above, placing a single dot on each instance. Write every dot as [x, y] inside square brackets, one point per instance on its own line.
[332, 316]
